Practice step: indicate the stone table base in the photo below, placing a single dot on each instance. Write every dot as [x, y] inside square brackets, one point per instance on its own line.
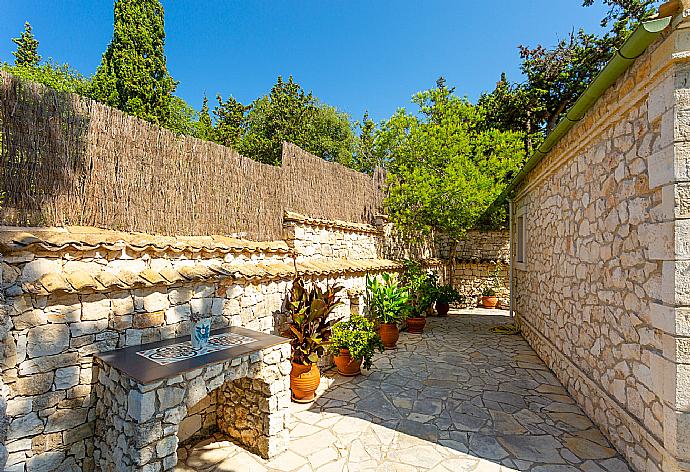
[137, 424]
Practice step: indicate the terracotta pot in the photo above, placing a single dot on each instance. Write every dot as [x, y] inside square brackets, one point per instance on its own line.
[442, 308]
[416, 325]
[489, 302]
[304, 380]
[389, 334]
[348, 366]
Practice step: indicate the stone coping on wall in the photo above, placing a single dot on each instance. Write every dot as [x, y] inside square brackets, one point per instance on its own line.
[291, 217]
[87, 238]
[80, 281]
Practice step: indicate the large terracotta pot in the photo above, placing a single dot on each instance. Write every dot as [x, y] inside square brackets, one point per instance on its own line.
[489, 302]
[348, 366]
[389, 334]
[304, 380]
[442, 308]
[416, 325]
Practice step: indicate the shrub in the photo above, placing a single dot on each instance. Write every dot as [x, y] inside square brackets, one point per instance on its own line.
[448, 294]
[358, 336]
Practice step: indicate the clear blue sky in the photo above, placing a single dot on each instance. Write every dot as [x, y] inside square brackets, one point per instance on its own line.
[355, 55]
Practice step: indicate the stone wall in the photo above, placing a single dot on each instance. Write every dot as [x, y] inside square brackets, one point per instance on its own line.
[477, 256]
[601, 291]
[73, 292]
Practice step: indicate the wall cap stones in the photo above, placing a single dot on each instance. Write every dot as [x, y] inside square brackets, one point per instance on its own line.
[291, 218]
[87, 238]
[106, 281]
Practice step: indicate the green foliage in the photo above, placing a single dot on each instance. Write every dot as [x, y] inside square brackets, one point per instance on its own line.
[26, 54]
[385, 299]
[133, 75]
[358, 336]
[496, 282]
[367, 155]
[445, 168]
[422, 286]
[557, 76]
[448, 294]
[59, 77]
[182, 118]
[309, 310]
[204, 125]
[230, 121]
[288, 113]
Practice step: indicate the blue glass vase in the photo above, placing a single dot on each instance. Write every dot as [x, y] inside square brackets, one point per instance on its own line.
[200, 331]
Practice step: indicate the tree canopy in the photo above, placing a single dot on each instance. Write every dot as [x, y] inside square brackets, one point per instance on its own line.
[445, 166]
[289, 113]
[27, 48]
[557, 76]
[133, 75]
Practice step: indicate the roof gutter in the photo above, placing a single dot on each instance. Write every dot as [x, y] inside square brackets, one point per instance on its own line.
[634, 46]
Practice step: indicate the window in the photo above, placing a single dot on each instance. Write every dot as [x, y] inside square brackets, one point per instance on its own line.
[520, 239]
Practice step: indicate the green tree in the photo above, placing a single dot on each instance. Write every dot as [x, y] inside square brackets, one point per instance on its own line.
[27, 48]
[204, 125]
[557, 76]
[230, 117]
[133, 75]
[288, 113]
[445, 170]
[367, 155]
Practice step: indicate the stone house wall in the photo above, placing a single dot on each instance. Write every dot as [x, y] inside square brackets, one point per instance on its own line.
[602, 291]
[73, 292]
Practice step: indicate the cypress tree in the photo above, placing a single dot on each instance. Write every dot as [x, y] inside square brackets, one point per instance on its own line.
[133, 75]
[27, 48]
[204, 126]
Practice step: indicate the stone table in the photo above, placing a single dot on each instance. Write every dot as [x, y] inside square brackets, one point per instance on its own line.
[144, 392]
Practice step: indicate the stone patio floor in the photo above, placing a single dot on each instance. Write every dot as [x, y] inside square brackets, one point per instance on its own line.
[457, 398]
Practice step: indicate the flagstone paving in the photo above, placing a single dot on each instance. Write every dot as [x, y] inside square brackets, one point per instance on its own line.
[457, 398]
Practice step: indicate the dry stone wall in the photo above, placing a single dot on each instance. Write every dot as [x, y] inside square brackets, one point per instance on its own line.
[73, 292]
[601, 293]
[477, 256]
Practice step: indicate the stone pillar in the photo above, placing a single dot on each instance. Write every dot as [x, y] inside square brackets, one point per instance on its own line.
[669, 244]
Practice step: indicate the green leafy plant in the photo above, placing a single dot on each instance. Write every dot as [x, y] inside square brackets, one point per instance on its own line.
[386, 300]
[309, 310]
[358, 336]
[448, 294]
[422, 286]
[496, 283]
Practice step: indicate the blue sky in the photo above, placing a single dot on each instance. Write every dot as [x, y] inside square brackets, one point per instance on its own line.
[355, 55]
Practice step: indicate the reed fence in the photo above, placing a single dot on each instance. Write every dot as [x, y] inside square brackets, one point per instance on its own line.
[68, 160]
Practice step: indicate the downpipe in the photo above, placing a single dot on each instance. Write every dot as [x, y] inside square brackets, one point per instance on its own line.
[510, 255]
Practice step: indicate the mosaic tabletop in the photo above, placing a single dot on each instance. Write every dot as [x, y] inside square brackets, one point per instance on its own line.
[164, 355]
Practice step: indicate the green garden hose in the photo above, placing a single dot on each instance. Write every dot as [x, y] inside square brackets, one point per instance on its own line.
[505, 329]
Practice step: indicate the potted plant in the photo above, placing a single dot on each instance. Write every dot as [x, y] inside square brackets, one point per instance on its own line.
[387, 303]
[423, 289]
[489, 298]
[446, 295]
[308, 324]
[354, 342]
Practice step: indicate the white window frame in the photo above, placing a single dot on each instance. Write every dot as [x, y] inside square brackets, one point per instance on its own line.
[520, 238]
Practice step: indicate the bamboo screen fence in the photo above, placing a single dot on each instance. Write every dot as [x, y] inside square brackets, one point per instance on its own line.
[67, 160]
